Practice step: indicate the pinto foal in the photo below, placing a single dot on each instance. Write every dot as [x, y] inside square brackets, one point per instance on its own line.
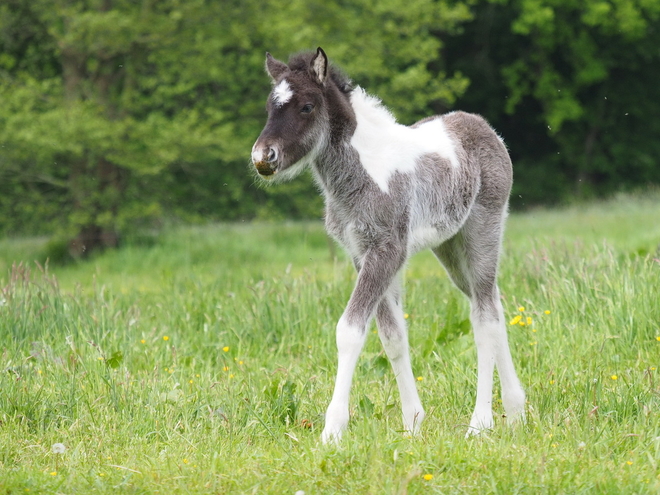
[391, 191]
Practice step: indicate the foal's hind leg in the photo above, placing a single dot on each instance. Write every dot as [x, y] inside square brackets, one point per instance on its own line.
[394, 336]
[482, 233]
[487, 318]
[454, 257]
[471, 260]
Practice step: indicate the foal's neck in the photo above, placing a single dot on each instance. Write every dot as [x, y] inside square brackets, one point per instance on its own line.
[337, 168]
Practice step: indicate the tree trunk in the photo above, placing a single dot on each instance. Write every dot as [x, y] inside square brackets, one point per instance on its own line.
[96, 184]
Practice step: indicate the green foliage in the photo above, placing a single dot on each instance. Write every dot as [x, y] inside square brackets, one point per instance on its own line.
[115, 113]
[117, 116]
[114, 360]
[391, 55]
[283, 404]
[571, 87]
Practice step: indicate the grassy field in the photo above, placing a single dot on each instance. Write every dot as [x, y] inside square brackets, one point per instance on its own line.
[202, 362]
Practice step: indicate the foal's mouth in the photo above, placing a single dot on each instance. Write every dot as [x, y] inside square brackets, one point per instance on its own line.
[265, 169]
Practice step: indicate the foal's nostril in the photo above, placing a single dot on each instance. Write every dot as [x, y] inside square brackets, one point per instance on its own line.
[272, 155]
[264, 158]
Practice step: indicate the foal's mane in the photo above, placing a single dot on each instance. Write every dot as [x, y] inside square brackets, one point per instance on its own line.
[302, 61]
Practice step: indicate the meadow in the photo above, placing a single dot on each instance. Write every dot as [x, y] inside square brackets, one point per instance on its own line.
[201, 360]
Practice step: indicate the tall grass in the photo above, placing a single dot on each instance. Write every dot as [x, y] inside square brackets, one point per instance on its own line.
[203, 364]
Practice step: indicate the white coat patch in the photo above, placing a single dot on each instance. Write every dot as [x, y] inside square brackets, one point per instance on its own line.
[282, 93]
[386, 147]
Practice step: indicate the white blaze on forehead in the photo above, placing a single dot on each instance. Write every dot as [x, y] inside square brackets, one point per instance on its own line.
[282, 93]
[386, 147]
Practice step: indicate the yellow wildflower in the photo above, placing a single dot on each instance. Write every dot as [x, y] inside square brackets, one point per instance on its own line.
[516, 319]
[428, 477]
[406, 315]
[143, 341]
[420, 378]
[225, 348]
[166, 338]
[529, 320]
[614, 377]
[547, 311]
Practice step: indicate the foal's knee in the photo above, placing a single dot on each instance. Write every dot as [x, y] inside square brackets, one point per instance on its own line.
[349, 335]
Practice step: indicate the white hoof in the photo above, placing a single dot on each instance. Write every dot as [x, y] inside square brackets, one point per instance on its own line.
[331, 436]
[336, 421]
[412, 420]
[514, 405]
[480, 423]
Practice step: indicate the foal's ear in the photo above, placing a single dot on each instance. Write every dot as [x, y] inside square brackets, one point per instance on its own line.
[319, 66]
[274, 67]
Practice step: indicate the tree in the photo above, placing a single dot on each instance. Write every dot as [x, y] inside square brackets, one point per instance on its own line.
[107, 102]
[571, 86]
[116, 112]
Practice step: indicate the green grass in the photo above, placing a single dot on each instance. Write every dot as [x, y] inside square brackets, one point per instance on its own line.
[203, 364]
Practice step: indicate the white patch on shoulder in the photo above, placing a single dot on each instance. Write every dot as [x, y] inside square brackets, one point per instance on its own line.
[282, 93]
[386, 147]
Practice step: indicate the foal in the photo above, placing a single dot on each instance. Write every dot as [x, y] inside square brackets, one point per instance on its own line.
[391, 191]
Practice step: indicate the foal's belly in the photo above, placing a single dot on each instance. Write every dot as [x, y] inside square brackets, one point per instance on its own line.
[428, 236]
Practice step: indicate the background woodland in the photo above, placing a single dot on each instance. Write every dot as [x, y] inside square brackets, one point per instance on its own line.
[117, 116]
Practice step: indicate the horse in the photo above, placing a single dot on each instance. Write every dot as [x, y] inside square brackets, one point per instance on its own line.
[390, 191]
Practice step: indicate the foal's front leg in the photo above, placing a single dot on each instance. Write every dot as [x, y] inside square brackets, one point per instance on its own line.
[393, 334]
[378, 269]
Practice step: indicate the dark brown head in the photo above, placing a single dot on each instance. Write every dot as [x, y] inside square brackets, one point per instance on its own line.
[298, 124]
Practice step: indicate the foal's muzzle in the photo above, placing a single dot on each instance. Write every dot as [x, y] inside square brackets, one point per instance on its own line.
[265, 159]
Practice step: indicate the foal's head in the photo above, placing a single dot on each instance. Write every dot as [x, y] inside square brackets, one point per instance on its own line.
[298, 122]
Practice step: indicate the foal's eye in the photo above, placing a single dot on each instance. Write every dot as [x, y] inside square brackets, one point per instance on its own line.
[307, 108]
